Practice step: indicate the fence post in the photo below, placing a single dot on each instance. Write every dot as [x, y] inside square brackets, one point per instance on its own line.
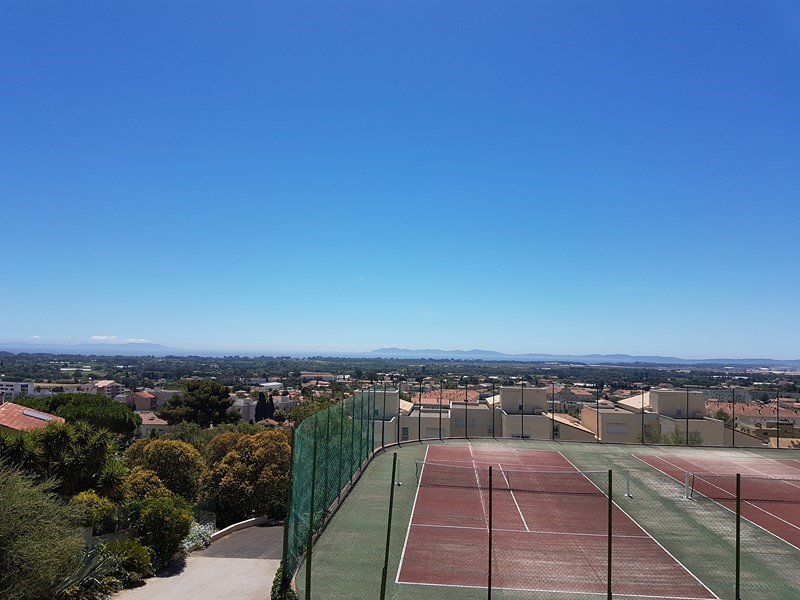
[610, 536]
[383, 418]
[310, 542]
[388, 529]
[489, 582]
[341, 453]
[738, 532]
[494, 433]
[326, 486]
[285, 577]
[361, 431]
[351, 468]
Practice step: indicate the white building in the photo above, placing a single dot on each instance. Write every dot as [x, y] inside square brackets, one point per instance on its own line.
[11, 390]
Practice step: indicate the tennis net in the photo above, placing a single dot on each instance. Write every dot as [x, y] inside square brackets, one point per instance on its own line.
[431, 474]
[753, 488]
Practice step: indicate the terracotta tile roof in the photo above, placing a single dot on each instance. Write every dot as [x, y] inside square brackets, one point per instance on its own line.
[145, 395]
[150, 418]
[20, 418]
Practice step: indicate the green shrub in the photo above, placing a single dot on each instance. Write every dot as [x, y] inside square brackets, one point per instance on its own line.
[40, 536]
[162, 524]
[99, 513]
[290, 594]
[133, 561]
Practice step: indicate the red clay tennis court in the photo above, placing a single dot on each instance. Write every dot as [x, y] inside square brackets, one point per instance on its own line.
[770, 489]
[549, 529]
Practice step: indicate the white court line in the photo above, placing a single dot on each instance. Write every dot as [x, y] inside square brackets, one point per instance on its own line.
[566, 533]
[774, 516]
[655, 541]
[480, 493]
[514, 498]
[410, 520]
[558, 592]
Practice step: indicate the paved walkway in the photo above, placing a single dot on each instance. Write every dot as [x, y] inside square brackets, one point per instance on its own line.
[241, 565]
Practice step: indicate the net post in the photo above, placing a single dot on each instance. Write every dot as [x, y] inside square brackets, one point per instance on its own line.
[388, 529]
[610, 536]
[628, 484]
[310, 541]
[738, 532]
[489, 579]
[686, 492]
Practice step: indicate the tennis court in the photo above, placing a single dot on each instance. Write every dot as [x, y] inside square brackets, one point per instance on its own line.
[539, 516]
[770, 488]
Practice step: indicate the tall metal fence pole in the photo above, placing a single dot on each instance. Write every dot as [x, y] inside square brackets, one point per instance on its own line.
[687, 416]
[466, 405]
[351, 467]
[610, 528]
[489, 578]
[285, 575]
[419, 413]
[341, 453]
[733, 418]
[644, 441]
[388, 529]
[327, 499]
[494, 434]
[441, 398]
[310, 541]
[552, 411]
[522, 411]
[778, 417]
[383, 417]
[361, 431]
[372, 421]
[738, 532]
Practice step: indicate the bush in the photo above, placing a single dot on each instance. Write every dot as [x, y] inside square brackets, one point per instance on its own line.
[199, 537]
[162, 525]
[253, 478]
[40, 537]
[133, 561]
[100, 513]
[143, 483]
[178, 464]
[290, 594]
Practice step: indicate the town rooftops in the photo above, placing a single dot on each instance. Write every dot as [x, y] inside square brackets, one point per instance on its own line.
[104, 383]
[447, 396]
[21, 418]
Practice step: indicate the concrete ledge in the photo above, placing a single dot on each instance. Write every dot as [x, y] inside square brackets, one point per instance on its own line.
[238, 526]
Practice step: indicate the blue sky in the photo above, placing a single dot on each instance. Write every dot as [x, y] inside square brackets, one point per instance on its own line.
[535, 176]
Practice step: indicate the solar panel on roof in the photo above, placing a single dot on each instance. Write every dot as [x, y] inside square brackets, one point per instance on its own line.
[35, 415]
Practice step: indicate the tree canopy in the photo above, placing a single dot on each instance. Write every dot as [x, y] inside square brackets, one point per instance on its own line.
[96, 409]
[177, 464]
[78, 456]
[253, 478]
[205, 402]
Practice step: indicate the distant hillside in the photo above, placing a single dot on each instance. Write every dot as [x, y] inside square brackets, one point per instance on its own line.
[580, 358]
[98, 349]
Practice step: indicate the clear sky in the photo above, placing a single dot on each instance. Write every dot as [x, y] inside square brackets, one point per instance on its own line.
[522, 176]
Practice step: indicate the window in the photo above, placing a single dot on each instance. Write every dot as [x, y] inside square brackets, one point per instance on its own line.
[404, 435]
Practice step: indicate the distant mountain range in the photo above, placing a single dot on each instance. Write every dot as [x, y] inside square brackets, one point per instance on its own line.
[148, 349]
[593, 359]
[96, 349]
